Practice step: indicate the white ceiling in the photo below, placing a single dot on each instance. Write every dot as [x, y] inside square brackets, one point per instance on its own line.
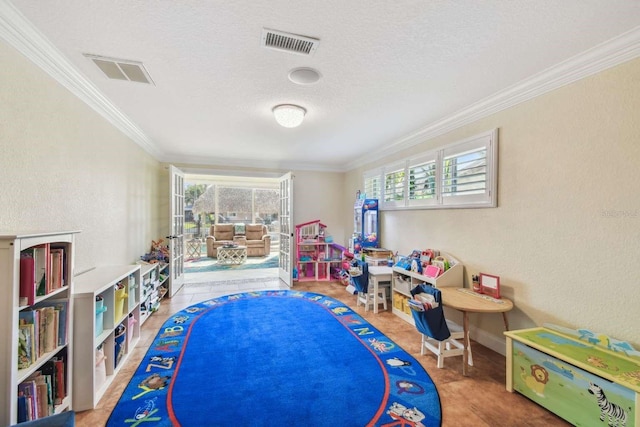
[393, 72]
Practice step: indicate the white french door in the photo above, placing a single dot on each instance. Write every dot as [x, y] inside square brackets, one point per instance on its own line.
[176, 233]
[285, 216]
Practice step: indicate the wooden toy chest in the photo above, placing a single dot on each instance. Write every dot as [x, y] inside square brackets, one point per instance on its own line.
[577, 379]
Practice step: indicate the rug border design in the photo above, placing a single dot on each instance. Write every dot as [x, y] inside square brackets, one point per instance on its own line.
[407, 384]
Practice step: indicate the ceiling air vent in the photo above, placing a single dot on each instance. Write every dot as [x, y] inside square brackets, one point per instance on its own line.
[121, 69]
[287, 42]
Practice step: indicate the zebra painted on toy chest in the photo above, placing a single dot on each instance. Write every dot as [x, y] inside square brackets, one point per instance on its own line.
[617, 415]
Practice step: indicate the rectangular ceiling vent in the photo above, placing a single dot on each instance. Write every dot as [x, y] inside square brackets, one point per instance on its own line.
[121, 69]
[287, 42]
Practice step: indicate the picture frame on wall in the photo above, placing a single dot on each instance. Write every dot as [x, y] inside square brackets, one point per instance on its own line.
[490, 285]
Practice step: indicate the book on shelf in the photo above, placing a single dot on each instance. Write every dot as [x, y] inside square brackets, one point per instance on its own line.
[61, 384]
[41, 260]
[50, 339]
[48, 371]
[40, 270]
[61, 308]
[26, 350]
[43, 390]
[42, 329]
[28, 390]
[57, 268]
[29, 320]
[27, 279]
[42, 326]
[23, 414]
[54, 371]
[43, 394]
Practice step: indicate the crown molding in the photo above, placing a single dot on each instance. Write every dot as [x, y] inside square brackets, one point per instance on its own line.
[23, 36]
[20, 33]
[618, 50]
[251, 163]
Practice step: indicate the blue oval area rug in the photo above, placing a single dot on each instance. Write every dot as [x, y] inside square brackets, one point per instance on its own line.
[276, 358]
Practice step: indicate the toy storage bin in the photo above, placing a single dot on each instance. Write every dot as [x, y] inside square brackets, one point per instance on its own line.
[398, 301]
[132, 291]
[120, 302]
[100, 309]
[100, 366]
[120, 343]
[130, 323]
[402, 284]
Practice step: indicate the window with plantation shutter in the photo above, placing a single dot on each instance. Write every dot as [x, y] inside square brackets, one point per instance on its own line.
[394, 185]
[422, 181]
[467, 177]
[460, 175]
[373, 184]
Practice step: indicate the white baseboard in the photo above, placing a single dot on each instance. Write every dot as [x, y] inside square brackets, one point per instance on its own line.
[488, 340]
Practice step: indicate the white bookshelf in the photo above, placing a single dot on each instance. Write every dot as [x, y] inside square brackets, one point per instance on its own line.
[88, 382]
[11, 377]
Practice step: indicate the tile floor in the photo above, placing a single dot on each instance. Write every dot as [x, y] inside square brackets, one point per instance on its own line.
[478, 400]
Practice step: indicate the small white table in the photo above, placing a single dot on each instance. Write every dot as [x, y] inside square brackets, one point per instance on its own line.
[234, 255]
[194, 248]
[378, 274]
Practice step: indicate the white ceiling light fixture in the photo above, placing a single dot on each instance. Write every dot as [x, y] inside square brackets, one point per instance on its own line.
[289, 115]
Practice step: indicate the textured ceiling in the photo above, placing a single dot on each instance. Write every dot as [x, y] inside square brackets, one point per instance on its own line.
[392, 71]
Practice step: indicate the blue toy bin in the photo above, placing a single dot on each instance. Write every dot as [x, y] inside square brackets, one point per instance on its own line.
[120, 340]
[100, 309]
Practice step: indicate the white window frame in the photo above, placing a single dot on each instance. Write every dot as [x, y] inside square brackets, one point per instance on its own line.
[413, 163]
[488, 198]
[470, 145]
[398, 167]
[368, 184]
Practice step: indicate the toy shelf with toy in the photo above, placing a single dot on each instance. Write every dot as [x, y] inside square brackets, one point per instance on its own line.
[319, 261]
[403, 280]
[106, 311]
[154, 278]
[148, 289]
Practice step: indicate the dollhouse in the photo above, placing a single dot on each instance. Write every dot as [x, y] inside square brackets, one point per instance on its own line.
[317, 256]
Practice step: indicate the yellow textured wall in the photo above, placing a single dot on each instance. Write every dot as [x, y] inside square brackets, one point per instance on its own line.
[64, 167]
[565, 239]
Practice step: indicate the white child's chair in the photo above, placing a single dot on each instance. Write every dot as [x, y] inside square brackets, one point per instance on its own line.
[367, 298]
[452, 346]
[360, 281]
[439, 336]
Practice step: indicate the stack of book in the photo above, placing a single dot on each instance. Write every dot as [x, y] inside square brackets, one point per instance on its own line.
[43, 390]
[422, 302]
[42, 271]
[41, 330]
